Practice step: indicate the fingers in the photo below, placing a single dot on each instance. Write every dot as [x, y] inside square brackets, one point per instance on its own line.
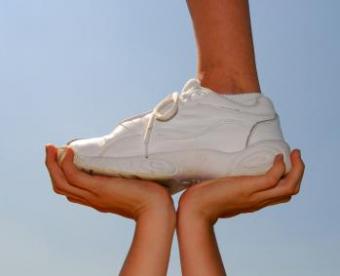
[77, 177]
[90, 182]
[275, 173]
[267, 203]
[60, 184]
[279, 200]
[83, 202]
[298, 168]
[289, 185]
[272, 176]
[77, 200]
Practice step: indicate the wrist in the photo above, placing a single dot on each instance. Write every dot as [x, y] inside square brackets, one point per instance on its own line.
[190, 215]
[158, 203]
[151, 245]
[164, 214]
[195, 230]
[192, 208]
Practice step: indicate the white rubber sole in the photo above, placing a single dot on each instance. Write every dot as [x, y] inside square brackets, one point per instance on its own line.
[177, 170]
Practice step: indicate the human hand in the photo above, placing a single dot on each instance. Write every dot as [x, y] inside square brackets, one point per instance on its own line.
[230, 196]
[127, 197]
[148, 203]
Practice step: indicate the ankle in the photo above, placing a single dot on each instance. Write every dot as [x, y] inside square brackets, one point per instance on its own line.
[228, 83]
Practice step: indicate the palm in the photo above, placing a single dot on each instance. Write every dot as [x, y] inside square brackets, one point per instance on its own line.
[126, 197]
[229, 196]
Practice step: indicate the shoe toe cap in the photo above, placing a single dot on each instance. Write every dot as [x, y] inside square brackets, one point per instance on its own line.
[88, 147]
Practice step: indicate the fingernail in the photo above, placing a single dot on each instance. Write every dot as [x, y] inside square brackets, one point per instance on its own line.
[299, 152]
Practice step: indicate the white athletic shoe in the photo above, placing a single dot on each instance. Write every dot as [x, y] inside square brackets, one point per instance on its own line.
[189, 137]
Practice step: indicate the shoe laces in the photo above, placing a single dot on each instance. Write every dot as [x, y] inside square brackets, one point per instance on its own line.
[172, 102]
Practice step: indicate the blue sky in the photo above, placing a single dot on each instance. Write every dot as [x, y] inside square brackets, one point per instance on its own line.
[76, 68]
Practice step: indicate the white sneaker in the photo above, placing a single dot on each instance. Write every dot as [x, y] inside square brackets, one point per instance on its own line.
[189, 137]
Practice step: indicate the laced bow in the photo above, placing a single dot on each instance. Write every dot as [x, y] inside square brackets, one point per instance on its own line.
[172, 101]
[158, 114]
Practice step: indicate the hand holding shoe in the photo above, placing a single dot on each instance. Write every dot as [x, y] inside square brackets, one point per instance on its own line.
[230, 196]
[126, 197]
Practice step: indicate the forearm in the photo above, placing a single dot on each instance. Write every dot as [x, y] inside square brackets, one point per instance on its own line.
[150, 249]
[198, 247]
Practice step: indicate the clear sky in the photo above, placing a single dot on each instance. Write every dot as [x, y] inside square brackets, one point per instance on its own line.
[75, 68]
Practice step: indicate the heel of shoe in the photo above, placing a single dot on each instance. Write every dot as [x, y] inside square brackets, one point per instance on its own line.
[258, 158]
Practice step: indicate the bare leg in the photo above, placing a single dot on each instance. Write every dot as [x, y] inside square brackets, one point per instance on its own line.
[226, 61]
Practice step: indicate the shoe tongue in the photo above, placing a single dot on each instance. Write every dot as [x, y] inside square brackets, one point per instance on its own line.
[244, 99]
[192, 83]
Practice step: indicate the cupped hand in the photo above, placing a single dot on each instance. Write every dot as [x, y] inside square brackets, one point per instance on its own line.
[230, 196]
[126, 197]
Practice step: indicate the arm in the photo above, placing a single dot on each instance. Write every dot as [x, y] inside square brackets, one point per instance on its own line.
[150, 249]
[147, 203]
[203, 204]
[198, 246]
